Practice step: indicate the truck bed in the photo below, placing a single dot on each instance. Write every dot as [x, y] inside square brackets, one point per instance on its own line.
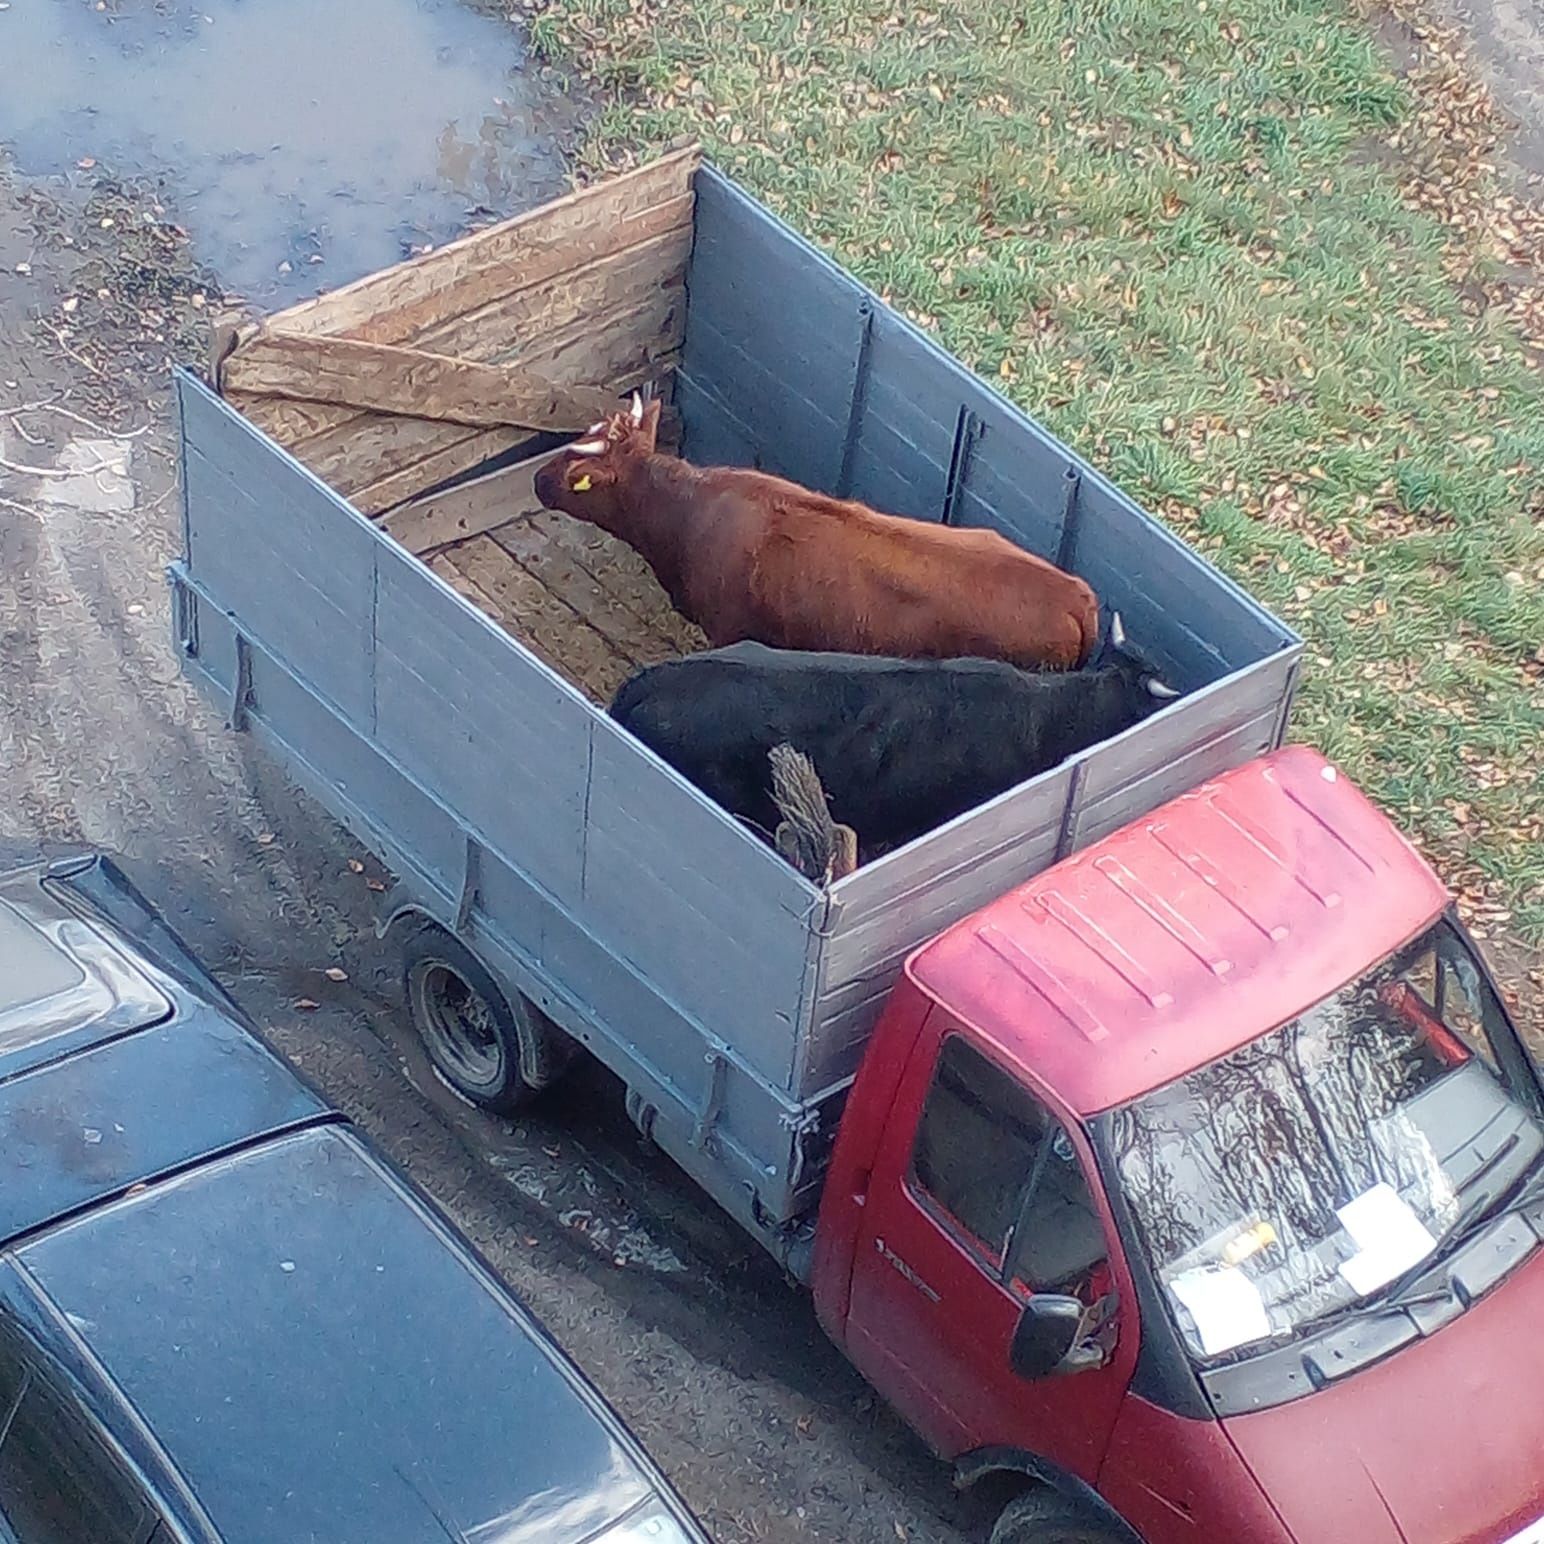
[583, 603]
[439, 692]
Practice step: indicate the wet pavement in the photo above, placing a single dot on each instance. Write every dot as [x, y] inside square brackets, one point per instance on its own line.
[305, 141]
[212, 154]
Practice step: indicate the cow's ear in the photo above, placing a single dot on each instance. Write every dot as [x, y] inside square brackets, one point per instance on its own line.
[582, 474]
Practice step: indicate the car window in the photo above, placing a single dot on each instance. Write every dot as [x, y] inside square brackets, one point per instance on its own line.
[1005, 1176]
[1462, 1000]
[61, 1480]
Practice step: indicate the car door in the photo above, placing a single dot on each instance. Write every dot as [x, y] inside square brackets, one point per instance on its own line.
[979, 1198]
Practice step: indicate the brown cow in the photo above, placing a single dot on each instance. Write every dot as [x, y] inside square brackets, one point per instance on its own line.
[749, 556]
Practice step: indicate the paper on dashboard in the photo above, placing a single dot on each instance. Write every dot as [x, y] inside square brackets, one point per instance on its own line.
[1389, 1238]
[1225, 1304]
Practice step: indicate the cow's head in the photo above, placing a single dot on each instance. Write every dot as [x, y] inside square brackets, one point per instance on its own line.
[1140, 672]
[582, 480]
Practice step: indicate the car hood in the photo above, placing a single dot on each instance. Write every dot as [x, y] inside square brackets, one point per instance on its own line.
[1441, 1443]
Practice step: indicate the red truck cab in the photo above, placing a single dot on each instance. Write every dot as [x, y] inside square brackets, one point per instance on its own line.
[1201, 1181]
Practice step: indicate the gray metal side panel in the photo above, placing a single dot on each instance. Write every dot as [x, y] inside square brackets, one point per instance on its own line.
[718, 921]
[502, 742]
[296, 562]
[521, 933]
[609, 890]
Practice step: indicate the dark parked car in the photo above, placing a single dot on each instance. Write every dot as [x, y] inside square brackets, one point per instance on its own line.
[223, 1317]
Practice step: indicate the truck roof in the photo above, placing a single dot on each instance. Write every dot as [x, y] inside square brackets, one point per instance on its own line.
[1186, 934]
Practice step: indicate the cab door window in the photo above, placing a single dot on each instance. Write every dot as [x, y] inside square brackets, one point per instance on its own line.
[996, 1168]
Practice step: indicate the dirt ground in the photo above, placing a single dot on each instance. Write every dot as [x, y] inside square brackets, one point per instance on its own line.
[707, 1352]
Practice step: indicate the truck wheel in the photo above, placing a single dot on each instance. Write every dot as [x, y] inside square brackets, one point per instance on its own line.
[1045, 1516]
[493, 1051]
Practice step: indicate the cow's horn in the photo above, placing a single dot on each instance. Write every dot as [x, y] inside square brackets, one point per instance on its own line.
[1160, 689]
[637, 408]
[588, 447]
[1117, 631]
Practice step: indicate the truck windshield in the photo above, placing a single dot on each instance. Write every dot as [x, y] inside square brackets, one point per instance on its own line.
[1311, 1172]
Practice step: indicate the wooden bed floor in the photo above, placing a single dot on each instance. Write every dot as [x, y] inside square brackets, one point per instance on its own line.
[584, 603]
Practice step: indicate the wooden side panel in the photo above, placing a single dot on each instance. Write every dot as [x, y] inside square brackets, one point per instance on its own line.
[468, 509]
[467, 712]
[540, 321]
[399, 302]
[717, 922]
[282, 552]
[412, 381]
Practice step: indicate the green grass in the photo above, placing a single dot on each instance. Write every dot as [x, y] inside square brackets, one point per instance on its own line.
[1170, 232]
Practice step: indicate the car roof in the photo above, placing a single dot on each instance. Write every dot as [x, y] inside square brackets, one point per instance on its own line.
[1185, 934]
[64, 982]
[322, 1360]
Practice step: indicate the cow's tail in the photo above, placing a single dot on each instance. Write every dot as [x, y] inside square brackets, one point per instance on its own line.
[807, 836]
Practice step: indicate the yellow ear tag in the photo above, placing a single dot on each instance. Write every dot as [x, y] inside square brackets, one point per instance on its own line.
[582, 484]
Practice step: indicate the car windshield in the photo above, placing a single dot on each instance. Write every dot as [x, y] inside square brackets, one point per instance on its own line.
[1307, 1173]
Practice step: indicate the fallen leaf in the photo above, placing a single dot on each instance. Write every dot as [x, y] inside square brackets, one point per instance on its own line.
[374, 884]
[86, 162]
[306, 1005]
[335, 973]
[265, 838]
[355, 866]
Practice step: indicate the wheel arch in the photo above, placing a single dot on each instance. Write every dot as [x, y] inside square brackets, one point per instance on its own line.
[545, 1047]
[1023, 1469]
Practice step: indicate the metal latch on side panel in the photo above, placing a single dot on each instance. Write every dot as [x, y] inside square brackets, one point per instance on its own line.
[713, 1101]
[184, 612]
[241, 685]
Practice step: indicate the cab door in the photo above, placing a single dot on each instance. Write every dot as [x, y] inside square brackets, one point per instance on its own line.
[978, 1198]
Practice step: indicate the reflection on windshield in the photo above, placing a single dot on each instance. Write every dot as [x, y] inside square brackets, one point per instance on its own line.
[1308, 1170]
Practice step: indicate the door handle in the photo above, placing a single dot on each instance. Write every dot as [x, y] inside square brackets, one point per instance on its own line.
[897, 1264]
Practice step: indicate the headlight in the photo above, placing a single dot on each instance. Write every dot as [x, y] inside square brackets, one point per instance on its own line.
[650, 1524]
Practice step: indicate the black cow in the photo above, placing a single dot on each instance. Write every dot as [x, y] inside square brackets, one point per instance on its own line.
[901, 746]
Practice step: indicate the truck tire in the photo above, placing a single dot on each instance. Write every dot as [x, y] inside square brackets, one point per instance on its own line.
[1046, 1516]
[494, 1051]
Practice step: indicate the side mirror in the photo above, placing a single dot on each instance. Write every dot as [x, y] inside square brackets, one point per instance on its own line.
[1050, 1337]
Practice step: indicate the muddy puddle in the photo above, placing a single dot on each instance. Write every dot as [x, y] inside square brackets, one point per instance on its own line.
[300, 142]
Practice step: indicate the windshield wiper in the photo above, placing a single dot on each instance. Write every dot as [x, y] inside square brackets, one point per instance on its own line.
[1505, 1200]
